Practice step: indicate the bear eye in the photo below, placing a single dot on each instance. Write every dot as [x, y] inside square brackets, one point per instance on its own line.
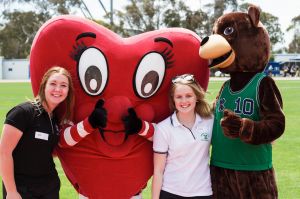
[149, 75]
[93, 71]
[228, 30]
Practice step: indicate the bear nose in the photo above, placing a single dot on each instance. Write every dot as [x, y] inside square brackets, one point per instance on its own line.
[204, 40]
[117, 108]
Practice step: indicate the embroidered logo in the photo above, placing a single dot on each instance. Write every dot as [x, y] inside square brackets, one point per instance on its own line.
[204, 136]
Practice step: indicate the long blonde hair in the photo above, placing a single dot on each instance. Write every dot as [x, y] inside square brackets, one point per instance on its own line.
[202, 108]
[68, 102]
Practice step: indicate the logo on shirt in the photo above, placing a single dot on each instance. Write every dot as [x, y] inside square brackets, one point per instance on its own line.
[204, 136]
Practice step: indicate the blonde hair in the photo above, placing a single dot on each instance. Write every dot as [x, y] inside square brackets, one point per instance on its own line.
[68, 102]
[202, 108]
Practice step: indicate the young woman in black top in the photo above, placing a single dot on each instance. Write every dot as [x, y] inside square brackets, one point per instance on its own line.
[30, 133]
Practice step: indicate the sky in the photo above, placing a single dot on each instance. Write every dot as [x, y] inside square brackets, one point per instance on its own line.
[285, 10]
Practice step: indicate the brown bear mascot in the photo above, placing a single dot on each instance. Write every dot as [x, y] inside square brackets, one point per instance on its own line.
[248, 109]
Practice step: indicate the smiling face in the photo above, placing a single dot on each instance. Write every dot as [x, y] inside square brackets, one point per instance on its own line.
[184, 99]
[56, 90]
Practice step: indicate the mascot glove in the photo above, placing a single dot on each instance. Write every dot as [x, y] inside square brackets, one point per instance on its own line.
[234, 126]
[132, 123]
[247, 130]
[231, 124]
[98, 118]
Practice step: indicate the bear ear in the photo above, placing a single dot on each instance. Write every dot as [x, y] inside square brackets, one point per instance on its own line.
[254, 14]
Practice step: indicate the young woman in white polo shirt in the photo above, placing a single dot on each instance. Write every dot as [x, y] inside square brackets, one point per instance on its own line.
[181, 144]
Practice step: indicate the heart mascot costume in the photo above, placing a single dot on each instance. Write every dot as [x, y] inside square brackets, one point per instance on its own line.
[104, 155]
[248, 109]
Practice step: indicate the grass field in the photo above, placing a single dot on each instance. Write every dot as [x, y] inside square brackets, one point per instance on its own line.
[286, 150]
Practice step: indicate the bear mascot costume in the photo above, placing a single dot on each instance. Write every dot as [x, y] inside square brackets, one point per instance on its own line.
[121, 87]
[248, 108]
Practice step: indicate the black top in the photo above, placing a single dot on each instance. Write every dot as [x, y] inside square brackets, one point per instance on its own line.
[33, 153]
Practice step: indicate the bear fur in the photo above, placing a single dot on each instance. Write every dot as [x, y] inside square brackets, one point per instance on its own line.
[240, 47]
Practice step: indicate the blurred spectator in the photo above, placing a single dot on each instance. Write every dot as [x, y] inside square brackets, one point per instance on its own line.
[286, 70]
[293, 70]
[270, 70]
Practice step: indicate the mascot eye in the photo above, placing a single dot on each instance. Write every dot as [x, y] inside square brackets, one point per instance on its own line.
[149, 75]
[93, 71]
[228, 30]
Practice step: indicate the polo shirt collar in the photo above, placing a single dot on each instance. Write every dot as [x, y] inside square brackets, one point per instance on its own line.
[175, 122]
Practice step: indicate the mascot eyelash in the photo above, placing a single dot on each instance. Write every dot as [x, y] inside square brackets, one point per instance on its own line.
[78, 49]
[168, 55]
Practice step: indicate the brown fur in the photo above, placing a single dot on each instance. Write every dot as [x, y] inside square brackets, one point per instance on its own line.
[251, 46]
[232, 184]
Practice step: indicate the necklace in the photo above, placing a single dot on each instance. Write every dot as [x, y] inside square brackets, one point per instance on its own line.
[51, 123]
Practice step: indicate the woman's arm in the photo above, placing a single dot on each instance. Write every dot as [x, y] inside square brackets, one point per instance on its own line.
[159, 167]
[9, 140]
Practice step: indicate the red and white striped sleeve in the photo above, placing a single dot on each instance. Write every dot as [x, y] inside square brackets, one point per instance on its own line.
[71, 135]
[147, 130]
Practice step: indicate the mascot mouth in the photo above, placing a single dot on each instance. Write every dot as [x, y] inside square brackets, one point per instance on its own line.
[218, 50]
[102, 133]
[223, 61]
[113, 137]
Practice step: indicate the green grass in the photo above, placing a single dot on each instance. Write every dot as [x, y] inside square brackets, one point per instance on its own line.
[286, 156]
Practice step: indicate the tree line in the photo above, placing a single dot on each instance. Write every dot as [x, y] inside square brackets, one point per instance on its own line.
[18, 27]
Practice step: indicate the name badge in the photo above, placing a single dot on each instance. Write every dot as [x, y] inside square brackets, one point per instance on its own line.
[41, 135]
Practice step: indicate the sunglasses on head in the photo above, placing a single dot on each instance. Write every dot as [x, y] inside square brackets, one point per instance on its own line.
[186, 78]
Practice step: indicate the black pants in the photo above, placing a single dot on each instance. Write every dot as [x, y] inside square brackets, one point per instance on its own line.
[167, 195]
[45, 190]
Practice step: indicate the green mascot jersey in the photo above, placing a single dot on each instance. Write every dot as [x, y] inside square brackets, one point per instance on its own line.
[233, 153]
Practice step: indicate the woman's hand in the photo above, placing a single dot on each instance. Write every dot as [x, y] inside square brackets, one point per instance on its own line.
[13, 195]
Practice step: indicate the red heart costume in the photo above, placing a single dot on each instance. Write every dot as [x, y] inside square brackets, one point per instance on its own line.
[125, 72]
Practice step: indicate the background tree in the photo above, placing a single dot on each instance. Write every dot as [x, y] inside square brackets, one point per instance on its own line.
[220, 6]
[270, 22]
[180, 15]
[138, 16]
[18, 28]
[294, 46]
[146, 15]
[53, 7]
[17, 34]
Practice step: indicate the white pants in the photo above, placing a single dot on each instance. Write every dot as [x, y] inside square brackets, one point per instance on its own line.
[133, 197]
